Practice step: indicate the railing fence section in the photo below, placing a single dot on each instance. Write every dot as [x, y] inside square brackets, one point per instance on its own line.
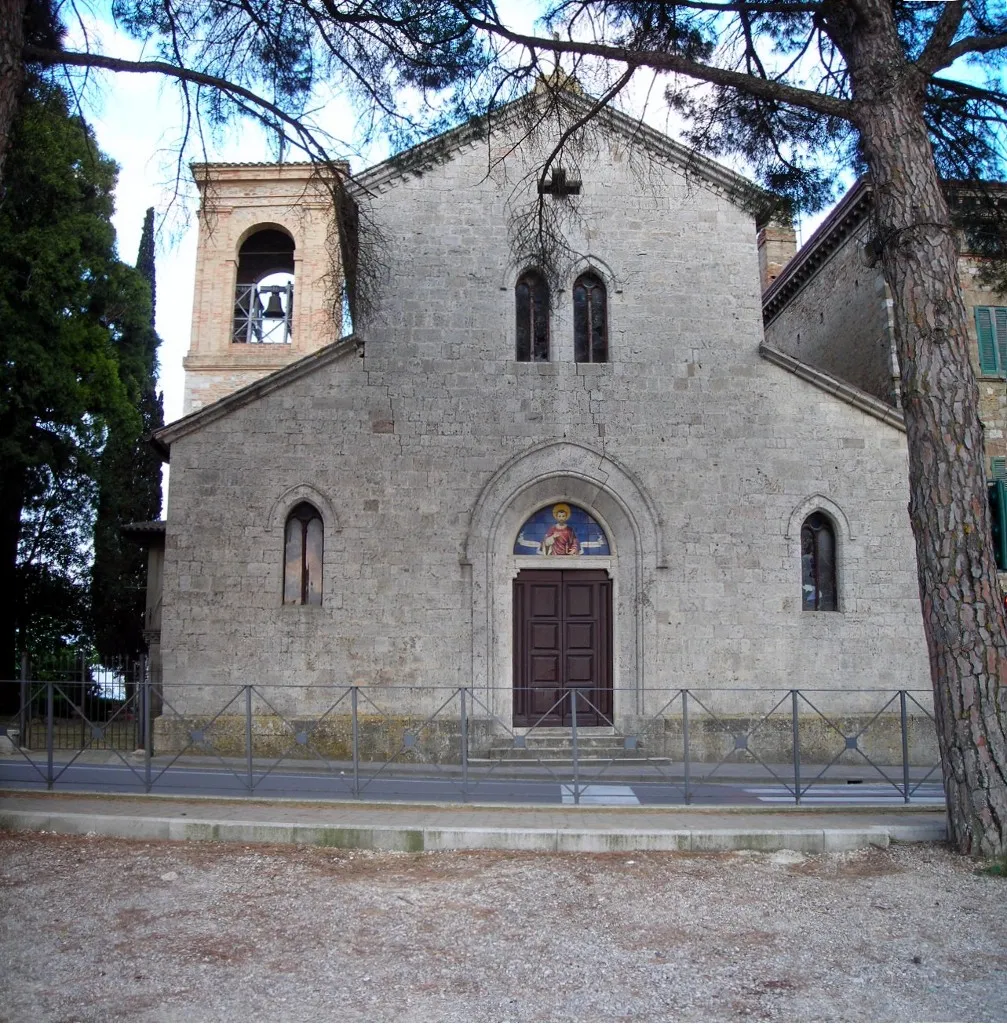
[363, 742]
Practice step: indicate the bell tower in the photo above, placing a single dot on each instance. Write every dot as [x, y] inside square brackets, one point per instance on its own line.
[268, 274]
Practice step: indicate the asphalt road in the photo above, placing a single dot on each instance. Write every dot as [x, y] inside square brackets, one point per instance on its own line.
[593, 786]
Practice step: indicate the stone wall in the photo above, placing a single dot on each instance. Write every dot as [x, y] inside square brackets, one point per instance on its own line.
[839, 319]
[699, 458]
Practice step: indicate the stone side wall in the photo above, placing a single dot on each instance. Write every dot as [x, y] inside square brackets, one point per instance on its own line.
[839, 320]
[698, 456]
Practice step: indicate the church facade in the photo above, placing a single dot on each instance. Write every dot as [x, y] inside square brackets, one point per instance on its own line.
[592, 471]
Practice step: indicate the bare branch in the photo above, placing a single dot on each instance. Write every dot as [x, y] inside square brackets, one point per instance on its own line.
[661, 61]
[96, 60]
[595, 109]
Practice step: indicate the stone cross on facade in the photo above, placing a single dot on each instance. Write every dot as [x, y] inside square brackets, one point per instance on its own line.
[560, 184]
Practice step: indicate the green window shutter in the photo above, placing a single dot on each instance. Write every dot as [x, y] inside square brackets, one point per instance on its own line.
[987, 341]
[998, 467]
[1000, 321]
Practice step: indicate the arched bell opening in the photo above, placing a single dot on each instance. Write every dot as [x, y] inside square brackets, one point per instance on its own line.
[264, 295]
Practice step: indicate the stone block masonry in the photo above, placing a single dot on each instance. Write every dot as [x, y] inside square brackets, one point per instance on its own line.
[698, 457]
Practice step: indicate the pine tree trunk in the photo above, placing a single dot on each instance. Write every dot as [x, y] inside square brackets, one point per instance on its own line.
[11, 500]
[11, 69]
[963, 613]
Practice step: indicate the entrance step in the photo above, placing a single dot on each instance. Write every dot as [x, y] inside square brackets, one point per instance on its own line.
[560, 749]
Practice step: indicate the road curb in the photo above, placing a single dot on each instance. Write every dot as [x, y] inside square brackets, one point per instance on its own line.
[404, 838]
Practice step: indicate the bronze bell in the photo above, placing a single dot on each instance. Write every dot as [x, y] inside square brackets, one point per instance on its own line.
[274, 308]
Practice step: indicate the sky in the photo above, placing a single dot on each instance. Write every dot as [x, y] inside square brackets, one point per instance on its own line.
[137, 121]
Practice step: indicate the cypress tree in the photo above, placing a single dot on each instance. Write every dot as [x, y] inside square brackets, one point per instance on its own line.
[129, 476]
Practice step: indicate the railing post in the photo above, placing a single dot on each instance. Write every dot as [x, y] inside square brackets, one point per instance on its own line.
[576, 763]
[139, 677]
[49, 715]
[356, 740]
[23, 716]
[905, 746]
[148, 740]
[685, 743]
[797, 748]
[248, 738]
[464, 722]
[83, 702]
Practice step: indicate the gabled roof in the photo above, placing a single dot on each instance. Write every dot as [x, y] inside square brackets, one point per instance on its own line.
[845, 217]
[440, 148]
[164, 438]
[841, 389]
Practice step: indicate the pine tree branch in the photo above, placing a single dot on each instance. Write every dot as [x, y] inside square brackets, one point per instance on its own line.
[976, 92]
[973, 44]
[934, 53]
[50, 58]
[658, 60]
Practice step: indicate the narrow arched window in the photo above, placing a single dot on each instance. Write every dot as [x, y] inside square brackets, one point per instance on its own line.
[302, 556]
[590, 320]
[818, 564]
[531, 302]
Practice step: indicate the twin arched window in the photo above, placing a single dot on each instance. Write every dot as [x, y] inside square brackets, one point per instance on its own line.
[818, 564]
[590, 318]
[531, 301]
[303, 542]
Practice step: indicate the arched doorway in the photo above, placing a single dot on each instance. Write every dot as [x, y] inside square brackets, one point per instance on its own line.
[530, 483]
[562, 618]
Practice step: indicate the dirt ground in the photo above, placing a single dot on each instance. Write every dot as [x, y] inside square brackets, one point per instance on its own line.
[104, 929]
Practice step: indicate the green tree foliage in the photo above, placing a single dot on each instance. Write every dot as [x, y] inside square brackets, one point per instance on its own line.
[64, 301]
[129, 472]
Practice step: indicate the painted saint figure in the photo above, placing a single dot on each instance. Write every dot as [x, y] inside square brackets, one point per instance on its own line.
[562, 530]
[560, 538]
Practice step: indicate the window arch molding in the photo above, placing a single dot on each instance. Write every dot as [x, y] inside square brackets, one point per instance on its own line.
[276, 521]
[265, 225]
[841, 535]
[818, 503]
[591, 264]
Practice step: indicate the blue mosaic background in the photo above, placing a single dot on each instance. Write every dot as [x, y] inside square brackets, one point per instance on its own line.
[544, 533]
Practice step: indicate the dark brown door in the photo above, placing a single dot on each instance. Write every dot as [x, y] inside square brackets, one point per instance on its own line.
[562, 641]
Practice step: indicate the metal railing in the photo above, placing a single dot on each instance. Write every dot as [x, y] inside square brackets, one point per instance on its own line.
[459, 743]
[263, 314]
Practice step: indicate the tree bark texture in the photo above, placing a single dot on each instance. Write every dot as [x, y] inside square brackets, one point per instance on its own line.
[11, 69]
[11, 502]
[963, 613]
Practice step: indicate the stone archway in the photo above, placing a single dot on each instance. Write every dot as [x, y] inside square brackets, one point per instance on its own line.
[549, 473]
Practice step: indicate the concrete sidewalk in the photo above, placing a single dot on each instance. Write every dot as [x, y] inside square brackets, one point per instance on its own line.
[413, 827]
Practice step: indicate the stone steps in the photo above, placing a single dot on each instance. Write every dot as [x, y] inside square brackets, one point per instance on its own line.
[559, 749]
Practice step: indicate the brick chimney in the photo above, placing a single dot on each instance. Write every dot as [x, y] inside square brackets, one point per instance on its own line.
[777, 246]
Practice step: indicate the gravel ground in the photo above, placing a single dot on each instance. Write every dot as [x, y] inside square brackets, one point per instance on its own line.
[103, 929]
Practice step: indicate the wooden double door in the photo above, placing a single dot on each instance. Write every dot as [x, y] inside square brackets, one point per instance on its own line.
[562, 642]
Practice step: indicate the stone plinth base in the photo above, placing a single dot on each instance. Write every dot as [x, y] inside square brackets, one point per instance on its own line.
[413, 739]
